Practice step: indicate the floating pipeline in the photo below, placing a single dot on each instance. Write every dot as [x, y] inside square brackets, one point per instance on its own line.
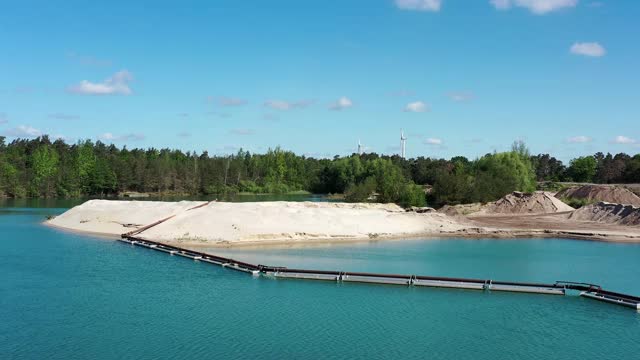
[590, 291]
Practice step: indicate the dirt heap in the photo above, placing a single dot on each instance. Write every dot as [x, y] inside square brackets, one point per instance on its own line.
[462, 209]
[608, 213]
[539, 202]
[611, 194]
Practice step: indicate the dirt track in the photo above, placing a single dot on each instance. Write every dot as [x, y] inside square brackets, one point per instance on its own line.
[557, 224]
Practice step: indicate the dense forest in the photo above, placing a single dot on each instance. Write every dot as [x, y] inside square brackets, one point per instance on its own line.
[44, 168]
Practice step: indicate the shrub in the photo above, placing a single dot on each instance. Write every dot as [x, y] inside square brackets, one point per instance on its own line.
[361, 192]
[577, 203]
[412, 195]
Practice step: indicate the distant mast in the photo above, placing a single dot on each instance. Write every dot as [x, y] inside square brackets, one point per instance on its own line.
[403, 145]
[360, 148]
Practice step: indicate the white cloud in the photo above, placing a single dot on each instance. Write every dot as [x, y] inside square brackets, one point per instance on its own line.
[419, 5]
[23, 131]
[433, 141]
[107, 136]
[226, 101]
[184, 134]
[538, 7]
[579, 139]
[461, 96]
[242, 131]
[62, 116]
[118, 84]
[342, 103]
[417, 106]
[623, 140]
[287, 105]
[3, 118]
[126, 137]
[592, 49]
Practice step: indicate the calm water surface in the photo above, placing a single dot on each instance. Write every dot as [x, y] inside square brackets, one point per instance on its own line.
[66, 296]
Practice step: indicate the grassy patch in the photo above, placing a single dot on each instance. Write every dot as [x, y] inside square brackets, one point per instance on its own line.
[577, 203]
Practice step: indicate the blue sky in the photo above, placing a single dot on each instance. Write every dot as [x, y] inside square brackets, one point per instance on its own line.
[461, 77]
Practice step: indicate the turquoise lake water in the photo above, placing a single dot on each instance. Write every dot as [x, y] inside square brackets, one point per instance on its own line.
[67, 296]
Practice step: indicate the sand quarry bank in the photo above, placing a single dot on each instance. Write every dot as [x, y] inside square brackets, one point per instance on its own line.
[227, 223]
[194, 223]
[605, 193]
[521, 213]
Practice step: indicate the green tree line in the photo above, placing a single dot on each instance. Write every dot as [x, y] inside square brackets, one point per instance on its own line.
[43, 168]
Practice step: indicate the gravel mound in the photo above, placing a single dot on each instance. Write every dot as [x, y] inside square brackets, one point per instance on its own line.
[539, 202]
[610, 194]
[608, 213]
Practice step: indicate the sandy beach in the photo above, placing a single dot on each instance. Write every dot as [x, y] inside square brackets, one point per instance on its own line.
[193, 223]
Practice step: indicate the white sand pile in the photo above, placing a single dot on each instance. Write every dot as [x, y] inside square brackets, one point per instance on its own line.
[608, 213]
[296, 221]
[258, 222]
[117, 217]
[605, 193]
[539, 202]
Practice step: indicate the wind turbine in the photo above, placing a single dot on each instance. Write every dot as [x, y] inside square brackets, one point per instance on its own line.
[403, 145]
[360, 148]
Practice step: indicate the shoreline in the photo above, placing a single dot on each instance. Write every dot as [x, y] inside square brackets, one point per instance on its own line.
[103, 235]
[498, 234]
[492, 234]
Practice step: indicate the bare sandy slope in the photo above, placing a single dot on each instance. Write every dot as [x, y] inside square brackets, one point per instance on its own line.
[606, 193]
[554, 225]
[112, 217]
[538, 202]
[221, 223]
[541, 214]
[604, 212]
[270, 222]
